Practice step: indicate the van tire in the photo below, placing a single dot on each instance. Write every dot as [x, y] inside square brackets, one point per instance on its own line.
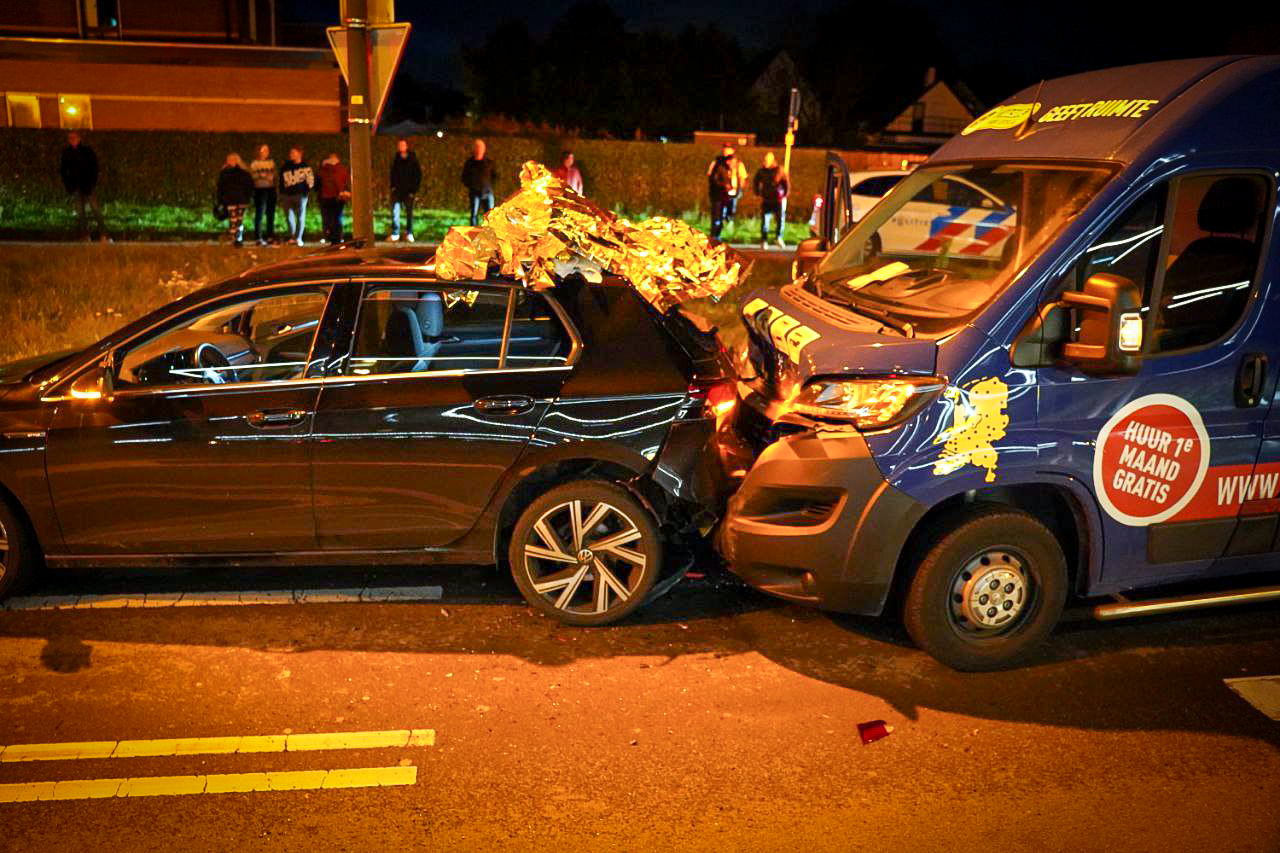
[17, 553]
[989, 592]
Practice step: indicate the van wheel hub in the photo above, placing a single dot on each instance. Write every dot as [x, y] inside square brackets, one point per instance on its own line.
[990, 593]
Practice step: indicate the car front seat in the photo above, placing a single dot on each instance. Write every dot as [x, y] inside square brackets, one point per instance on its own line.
[413, 333]
[1210, 280]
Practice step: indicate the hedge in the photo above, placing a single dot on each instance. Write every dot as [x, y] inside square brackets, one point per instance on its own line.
[179, 168]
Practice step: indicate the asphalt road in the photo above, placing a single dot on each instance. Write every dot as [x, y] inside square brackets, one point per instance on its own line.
[717, 720]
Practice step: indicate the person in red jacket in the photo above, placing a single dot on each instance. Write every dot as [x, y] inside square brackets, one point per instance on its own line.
[335, 190]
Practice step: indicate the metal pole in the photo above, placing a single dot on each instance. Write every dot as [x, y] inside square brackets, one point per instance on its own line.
[358, 120]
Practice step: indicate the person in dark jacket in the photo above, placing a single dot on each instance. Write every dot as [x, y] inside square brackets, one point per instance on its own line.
[79, 171]
[477, 177]
[235, 193]
[721, 188]
[296, 181]
[772, 185]
[406, 177]
[335, 190]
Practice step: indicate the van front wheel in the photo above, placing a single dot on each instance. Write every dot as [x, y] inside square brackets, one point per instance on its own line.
[988, 592]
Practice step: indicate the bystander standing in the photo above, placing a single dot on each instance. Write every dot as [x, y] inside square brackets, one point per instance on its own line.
[406, 177]
[772, 185]
[265, 177]
[720, 188]
[569, 173]
[477, 177]
[79, 171]
[235, 192]
[296, 181]
[335, 190]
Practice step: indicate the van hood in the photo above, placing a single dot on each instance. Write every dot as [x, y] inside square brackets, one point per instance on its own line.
[794, 336]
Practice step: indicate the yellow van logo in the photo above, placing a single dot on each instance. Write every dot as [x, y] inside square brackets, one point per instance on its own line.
[1006, 117]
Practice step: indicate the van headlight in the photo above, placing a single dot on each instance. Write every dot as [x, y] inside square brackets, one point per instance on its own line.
[869, 404]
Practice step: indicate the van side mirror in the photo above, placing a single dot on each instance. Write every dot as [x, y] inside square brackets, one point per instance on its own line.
[1108, 322]
[94, 384]
[809, 252]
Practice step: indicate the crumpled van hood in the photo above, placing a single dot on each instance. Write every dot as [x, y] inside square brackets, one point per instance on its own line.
[796, 336]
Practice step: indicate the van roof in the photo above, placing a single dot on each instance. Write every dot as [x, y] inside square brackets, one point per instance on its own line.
[1132, 113]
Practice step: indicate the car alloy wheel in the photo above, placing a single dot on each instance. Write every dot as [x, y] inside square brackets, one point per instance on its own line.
[580, 557]
[4, 551]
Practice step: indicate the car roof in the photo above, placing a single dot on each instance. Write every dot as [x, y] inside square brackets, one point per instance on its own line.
[348, 260]
[1132, 114]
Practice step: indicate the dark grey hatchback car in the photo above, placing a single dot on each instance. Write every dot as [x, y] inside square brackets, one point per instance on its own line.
[349, 407]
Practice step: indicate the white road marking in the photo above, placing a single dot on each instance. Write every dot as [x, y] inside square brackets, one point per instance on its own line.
[223, 783]
[301, 742]
[228, 598]
[1262, 692]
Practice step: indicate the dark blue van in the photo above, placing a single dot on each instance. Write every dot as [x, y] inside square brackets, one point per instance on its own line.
[1042, 365]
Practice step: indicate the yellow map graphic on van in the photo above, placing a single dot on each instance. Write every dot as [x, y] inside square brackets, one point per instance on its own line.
[978, 420]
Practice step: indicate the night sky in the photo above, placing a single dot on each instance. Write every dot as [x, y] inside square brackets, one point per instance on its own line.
[995, 46]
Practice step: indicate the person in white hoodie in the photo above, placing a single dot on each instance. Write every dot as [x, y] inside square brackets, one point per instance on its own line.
[265, 176]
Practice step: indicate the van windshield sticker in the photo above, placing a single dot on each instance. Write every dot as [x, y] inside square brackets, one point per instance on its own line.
[1010, 116]
[978, 421]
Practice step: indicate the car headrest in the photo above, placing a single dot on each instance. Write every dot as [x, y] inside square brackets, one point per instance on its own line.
[431, 315]
[1229, 207]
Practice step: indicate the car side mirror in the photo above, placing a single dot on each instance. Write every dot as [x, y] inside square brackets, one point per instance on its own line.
[96, 383]
[1108, 315]
[809, 252]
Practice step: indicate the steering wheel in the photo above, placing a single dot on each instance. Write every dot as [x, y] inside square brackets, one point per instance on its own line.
[210, 359]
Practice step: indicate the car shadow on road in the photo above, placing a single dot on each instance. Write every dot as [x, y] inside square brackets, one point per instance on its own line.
[1161, 673]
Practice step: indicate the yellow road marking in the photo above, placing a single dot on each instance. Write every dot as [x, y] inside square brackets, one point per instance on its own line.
[223, 783]
[217, 745]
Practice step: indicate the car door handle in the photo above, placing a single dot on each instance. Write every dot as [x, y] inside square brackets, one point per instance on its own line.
[1251, 380]
[512, 405]
[276, 418]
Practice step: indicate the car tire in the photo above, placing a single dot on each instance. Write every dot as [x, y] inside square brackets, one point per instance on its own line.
[567, 575]
[989, 592]
[17, 552]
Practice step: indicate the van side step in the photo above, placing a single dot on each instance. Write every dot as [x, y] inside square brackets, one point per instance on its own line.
[1122, 608]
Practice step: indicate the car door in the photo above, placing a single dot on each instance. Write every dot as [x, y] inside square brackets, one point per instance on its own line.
[442, 388]
[1158, 447]
[203, 445]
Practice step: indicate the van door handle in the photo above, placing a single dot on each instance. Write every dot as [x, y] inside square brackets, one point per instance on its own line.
[1250, 380]
[276, 418]
[505, 405]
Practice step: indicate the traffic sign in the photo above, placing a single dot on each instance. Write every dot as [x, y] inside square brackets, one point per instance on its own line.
[386, 46]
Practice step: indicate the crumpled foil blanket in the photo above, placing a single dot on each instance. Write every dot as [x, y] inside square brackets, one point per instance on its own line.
[547, 231]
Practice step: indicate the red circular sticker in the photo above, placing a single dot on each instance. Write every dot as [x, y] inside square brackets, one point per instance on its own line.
[1150, 459]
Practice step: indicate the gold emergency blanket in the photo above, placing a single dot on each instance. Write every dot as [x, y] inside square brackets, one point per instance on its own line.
[547, 230]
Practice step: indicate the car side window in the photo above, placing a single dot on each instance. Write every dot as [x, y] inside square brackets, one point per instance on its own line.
[876, 186]
[538, 338]
[427, 329]
[267, 337]
[1212, 250]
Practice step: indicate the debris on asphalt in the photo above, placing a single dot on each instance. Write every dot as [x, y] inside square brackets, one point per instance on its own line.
[872, 731]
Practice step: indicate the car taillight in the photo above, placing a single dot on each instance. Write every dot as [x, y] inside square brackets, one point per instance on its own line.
[717, 398]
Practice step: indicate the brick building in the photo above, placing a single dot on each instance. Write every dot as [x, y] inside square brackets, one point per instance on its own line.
[156, 65]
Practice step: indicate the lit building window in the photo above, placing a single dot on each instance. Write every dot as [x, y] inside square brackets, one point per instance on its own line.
[75, 112]
[23, 110]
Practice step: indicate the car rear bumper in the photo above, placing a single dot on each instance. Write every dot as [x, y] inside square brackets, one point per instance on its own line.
[815, 522]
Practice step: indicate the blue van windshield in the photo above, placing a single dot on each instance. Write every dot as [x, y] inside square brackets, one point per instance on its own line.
[945, 241]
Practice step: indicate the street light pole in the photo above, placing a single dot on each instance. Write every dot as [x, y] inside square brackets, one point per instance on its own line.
[359, 119]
